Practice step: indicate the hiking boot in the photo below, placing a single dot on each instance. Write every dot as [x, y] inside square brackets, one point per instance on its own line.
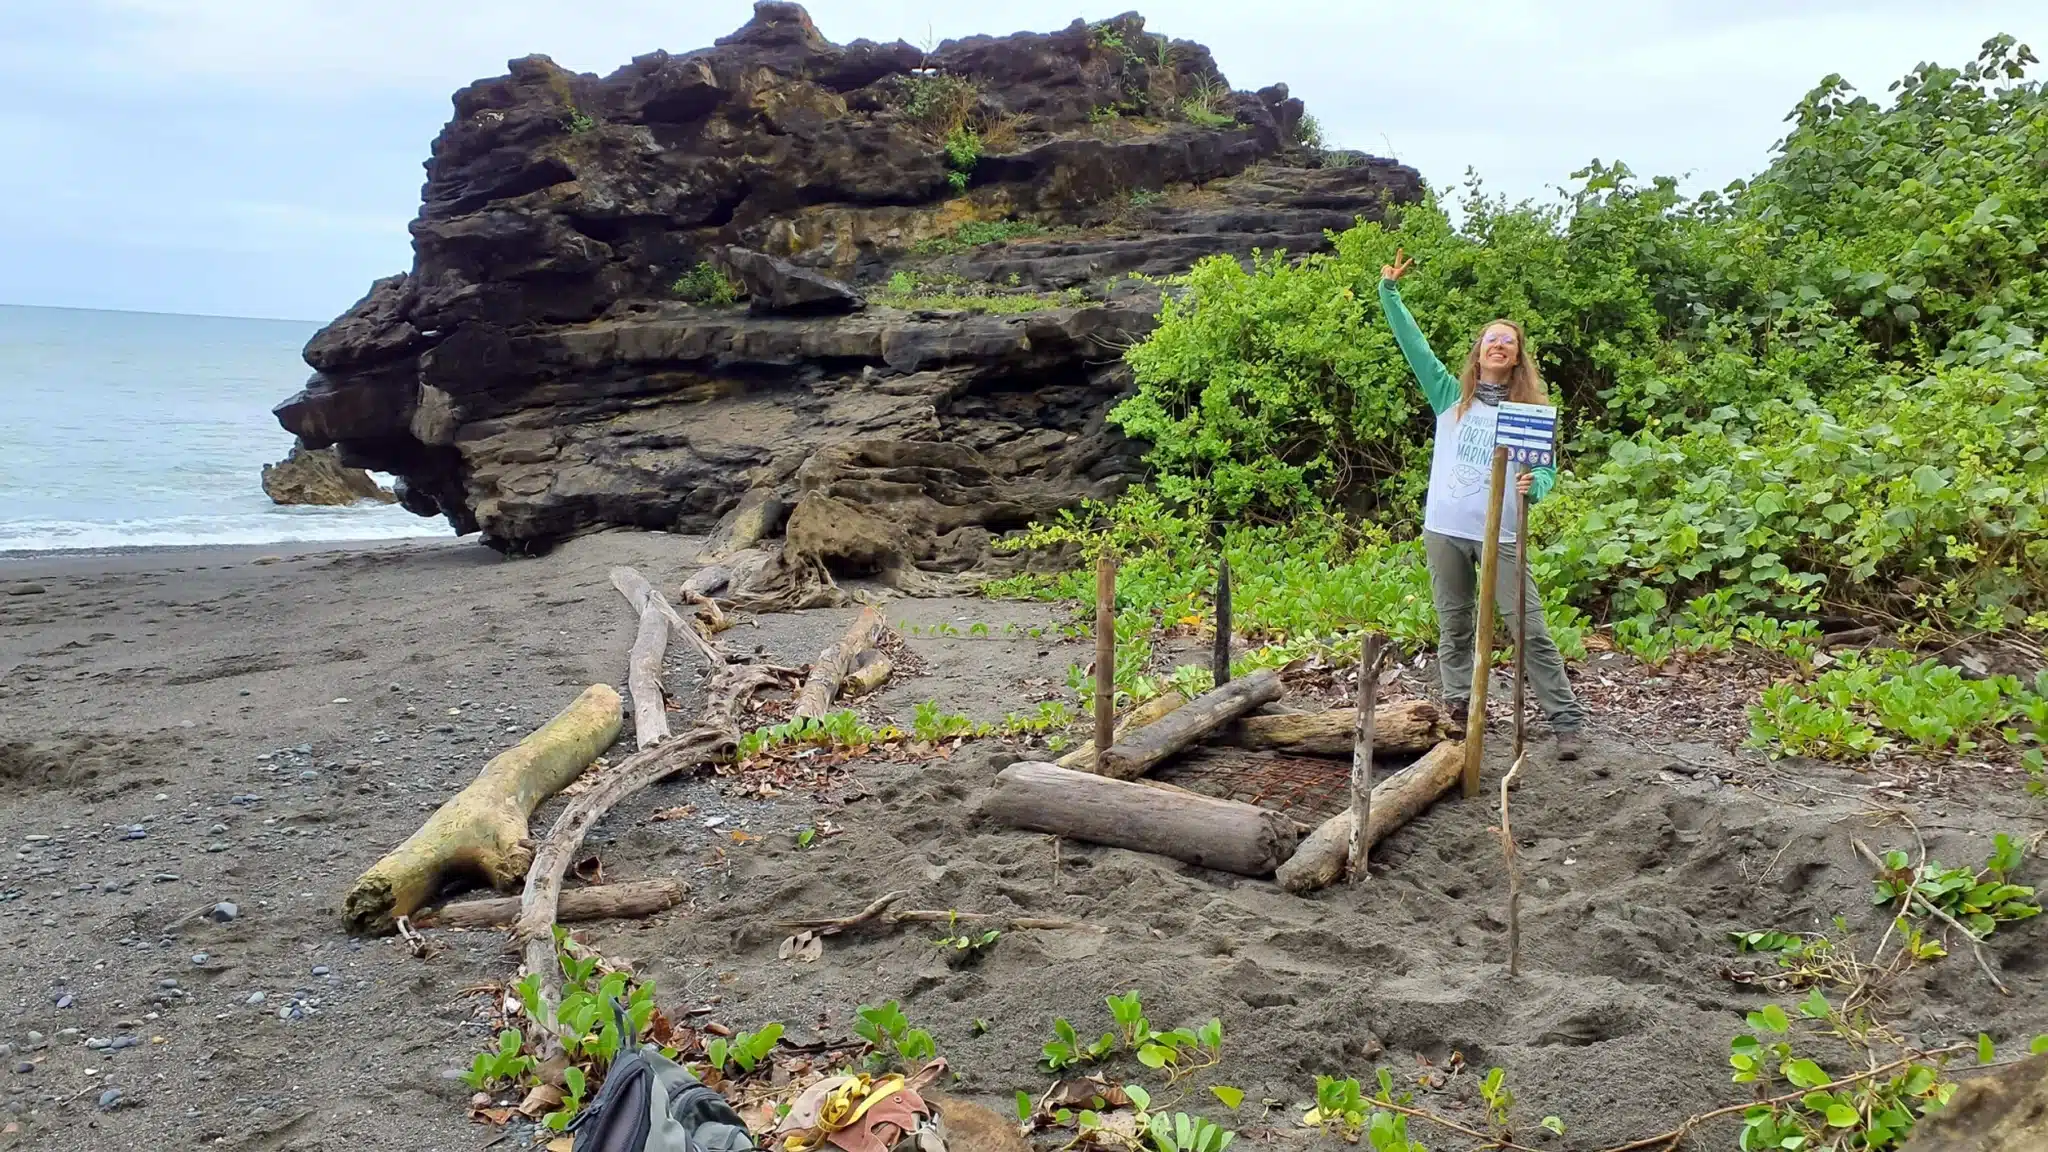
[1569, 744]
[1455, 712]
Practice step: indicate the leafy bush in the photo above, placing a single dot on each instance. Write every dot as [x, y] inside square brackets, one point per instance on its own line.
[705, 284]
[939, 102]
[1821, 388]
[977, 233]
[1841, 713]
[963, 152]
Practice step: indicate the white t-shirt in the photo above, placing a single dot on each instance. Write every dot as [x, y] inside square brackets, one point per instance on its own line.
[1460, 471]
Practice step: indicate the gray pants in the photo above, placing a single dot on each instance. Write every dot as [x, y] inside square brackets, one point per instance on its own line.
[1454, 583]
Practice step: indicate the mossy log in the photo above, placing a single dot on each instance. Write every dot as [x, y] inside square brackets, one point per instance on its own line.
[482, 831]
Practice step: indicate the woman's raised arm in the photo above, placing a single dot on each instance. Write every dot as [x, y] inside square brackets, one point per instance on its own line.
[1438, 385]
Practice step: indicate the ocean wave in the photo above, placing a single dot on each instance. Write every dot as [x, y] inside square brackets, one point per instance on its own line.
[278, 526]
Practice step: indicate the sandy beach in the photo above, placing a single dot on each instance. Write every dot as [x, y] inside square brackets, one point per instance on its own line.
[188, 727]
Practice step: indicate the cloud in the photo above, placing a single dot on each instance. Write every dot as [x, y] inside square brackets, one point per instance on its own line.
[285, 136]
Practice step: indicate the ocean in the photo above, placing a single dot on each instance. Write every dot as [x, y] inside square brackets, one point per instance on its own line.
[131, 429]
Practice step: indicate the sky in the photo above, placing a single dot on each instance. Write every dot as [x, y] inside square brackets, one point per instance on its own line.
[262, 157]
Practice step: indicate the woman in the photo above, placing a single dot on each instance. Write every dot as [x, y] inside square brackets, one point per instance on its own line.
[1498, 368]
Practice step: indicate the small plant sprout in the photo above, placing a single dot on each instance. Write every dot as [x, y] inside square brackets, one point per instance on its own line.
[970, 943]
[892, 1039]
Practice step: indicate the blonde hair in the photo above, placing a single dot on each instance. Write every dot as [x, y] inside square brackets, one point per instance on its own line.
[1525, 384]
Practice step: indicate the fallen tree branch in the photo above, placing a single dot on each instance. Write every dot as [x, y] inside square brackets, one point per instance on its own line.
[627, 901]
[1921, 902]
[833, 664]
[483, 829]
[715, 737]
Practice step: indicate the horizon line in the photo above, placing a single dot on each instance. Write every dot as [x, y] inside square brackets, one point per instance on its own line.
[159, 312]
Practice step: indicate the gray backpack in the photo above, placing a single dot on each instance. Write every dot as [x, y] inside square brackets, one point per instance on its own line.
[649, 1103]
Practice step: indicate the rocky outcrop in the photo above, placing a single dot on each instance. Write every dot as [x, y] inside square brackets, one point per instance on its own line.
[945, 256]
[317, 476]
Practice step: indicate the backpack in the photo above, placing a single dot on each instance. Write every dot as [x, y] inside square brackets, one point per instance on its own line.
[649, 1103]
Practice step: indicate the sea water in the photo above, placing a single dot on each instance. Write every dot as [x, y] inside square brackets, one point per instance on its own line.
[130, 429]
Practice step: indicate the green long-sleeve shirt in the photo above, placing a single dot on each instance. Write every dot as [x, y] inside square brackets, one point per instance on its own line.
[1439, 386]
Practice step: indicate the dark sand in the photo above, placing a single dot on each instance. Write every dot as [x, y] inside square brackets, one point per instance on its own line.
[171, 690]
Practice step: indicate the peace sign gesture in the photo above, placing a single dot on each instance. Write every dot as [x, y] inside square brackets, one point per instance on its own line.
[1398, 268]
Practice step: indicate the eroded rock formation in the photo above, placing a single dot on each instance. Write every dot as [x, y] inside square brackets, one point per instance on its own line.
[567, 352]
[317, 476]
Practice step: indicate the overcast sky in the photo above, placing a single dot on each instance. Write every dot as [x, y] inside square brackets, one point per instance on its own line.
[262, 157]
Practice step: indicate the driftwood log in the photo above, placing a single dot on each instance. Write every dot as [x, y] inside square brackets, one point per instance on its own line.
[870, 671]
[1407, 728]
[626, 901]
[1201, 830]
[643, 663]
[644, 599]
[1396, 800]
[1082, 759]
[834, 663]
[483, 830]
[1147, 747]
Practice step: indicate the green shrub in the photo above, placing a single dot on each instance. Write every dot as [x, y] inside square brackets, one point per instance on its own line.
[705, 284]
[1743, 411]
[940, 103]
[979, 233]
[963, 151]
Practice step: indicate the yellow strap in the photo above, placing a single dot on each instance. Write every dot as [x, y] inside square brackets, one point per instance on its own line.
[839, 1110]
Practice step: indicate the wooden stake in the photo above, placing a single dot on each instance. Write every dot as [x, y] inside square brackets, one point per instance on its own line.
[1361, 756]
[1521, 619]
[1221, 663]
[1105, 651]
[1507, 848]
[1514, 776]
[1482, 639]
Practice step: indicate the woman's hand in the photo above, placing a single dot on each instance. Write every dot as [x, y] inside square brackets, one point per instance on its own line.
[1398, 268]
[1522, 480]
